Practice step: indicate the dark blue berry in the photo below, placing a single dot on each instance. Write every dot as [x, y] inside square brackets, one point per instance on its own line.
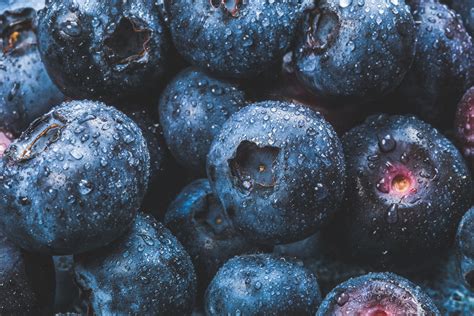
[465, 247]
[198, 221]
[26, 91]
[74, 179]
[262, 285]
[145, 272]
[377, 294]
[234, 38]
[407, 188]
[355, 50]
[443, 66]
[104, 49]
[278, 170]
[26, 281]
[192, 110]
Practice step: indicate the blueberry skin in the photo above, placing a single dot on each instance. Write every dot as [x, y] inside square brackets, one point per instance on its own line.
[443, 66]
[465, 8]
[235, 39]
[355, 50]
[74, 179]
[26, 281]
[278, 170]
[192, 109]
[407, 188]
[145, 272]
[262, 284]
[465, 248]
[107, 50]
[463, 123]
[198, 221]
[377, 294]
[26, 91]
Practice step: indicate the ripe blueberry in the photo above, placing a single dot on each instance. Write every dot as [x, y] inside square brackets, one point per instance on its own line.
[407, 188]
[278, 170]
[192, 110]
[377, 294]
[26, 91]
[103, 49]
[145, 272]
[355, 50]
[262, 285]
[234, 38]
[73, 180]
[443, 66]
[204, 229]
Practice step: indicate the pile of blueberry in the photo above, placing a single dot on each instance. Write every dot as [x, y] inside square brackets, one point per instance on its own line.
[237, 157]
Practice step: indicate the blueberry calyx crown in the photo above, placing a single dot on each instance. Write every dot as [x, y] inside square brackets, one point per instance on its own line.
[42, 132]
[322, 32]
[129, 42]
[253, 166]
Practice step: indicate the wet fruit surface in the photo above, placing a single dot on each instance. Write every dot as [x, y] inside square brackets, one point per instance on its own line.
[57, 195]
[151, 272]
[26, 91]
[262, 284]
[355, 49]
[377, 294]
[205, 230]
[193, 108]
[407, 189]
[442, 69]
[105, 49]
[234, 38]
[278, 170]
[236, 157]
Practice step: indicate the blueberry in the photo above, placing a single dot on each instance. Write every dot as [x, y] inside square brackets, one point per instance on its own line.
[407, 188]
[465, 246]
[377, 294]
[192, 109]
[278, 170]
[106, 49]
[355, 50]
[204, 229]
[234, 38]
[145, 272]
[262, 285]
[73, 180]
[26, 91]
[466, 9]
[442, 70]
[464, 122]
[26, 281]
